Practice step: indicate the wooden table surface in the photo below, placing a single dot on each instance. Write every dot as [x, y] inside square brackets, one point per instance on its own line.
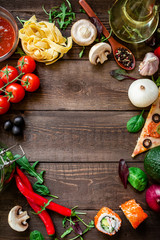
[76, 128]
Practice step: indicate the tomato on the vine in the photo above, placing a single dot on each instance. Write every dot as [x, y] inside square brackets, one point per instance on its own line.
[8, 73]
[15, 92]
[1, 85]
[26, 64]
[4, 104]
[30, 82]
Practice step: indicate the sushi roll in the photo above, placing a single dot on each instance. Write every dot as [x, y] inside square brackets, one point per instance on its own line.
[133, 212]
[107, 221]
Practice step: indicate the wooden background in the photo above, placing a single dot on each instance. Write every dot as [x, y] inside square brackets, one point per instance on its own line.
[76, 128]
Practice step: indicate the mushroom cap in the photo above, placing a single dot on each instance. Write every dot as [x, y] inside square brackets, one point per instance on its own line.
[99, 53]
[83, 32]
[17, 219]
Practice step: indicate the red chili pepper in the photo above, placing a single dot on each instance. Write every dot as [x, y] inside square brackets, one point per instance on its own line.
[39, 200]
[43, 215]
[157, 52]
[10, 178]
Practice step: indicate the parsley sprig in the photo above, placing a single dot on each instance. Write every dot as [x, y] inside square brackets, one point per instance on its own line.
[63, 14]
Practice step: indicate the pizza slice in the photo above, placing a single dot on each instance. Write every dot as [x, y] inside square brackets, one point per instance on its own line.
[150, 135]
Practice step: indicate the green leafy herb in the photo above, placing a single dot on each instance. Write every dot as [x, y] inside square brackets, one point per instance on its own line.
[137, 178]
[68, 231]
[63, 14]
[82, 10]
[22, 21]
[36, 235]
[43, 207]
[64, 221]
[158, 82]
[103, 38]
[82, 52]
[90, 226]
[20, 51]
[24, 164]
[135, 123]
[121, 74]
[42, 190]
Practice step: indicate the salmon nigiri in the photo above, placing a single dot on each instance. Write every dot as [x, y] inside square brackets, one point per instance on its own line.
[107, 221]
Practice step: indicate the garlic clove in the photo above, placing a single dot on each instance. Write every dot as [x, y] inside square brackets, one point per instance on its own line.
[150, 65]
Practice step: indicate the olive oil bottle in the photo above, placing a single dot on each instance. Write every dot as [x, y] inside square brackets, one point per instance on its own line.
[134, 21]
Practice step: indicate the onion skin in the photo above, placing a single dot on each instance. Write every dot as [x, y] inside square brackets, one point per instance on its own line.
[153, 197]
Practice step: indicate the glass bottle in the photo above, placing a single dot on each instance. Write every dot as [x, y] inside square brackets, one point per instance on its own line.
[134, 21]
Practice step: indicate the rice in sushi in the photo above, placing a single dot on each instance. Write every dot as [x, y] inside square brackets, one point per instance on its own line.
[107, 221]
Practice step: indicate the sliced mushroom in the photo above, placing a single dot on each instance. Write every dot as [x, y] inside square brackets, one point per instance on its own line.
[17, 219]
[99, 52]
[83, 32]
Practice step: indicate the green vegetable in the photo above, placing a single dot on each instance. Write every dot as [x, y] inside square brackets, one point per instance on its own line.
[135, 123]
[158, 82]
[90, 226]
[24, 164]
[68, 231]
[43, 207]
[82, 52]
[20, 51]
[63, 14]
[36, 235]
[42, 190]
[121, 74]
[137, 178]
[152, 163]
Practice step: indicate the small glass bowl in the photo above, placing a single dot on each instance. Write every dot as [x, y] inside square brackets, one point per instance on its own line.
[8, 16]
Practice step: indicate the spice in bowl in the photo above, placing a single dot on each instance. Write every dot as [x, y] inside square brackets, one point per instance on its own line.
[124, 57]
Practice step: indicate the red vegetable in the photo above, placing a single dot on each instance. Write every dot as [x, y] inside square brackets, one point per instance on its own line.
[15, 92]
[30, 82]
[123, 172]
[1, 85]
[4, 104]
[43, 215]
[157, 52]
[153, 197]
[39, 200]
[8, 73]
[26, 64]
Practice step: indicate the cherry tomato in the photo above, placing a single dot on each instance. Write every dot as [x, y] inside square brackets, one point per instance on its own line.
[1, 85]
[15, 92]
[4, 104]
[30, 82]
[157, 52]
[8, 73]
[26, 64]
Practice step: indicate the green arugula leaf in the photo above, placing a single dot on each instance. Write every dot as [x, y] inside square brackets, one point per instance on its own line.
[43, 207]
[68, 231]
[64, 222]
[24, 164]
[20, 52]
[42, 190]
[82, 52]
[91, 225]
[36, 235]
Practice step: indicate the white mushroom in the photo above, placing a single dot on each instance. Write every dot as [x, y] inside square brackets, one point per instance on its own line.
[99, 52]
[17, 219]
[83, 32]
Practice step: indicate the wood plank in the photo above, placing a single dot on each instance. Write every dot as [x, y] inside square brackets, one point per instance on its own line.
[75, 136]
[77, 85]
[101, 186]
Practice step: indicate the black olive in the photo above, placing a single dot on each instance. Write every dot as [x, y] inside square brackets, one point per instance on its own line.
[18, 121]
[147, 143]
[156, 118]
[7, 125]
[16, 130]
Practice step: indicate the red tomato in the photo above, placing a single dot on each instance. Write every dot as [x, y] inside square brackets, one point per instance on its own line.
[15, 92]
[30, 82]
[8, 73]
[1, 85]
[157, 52]
[26, 64]
[4, 104]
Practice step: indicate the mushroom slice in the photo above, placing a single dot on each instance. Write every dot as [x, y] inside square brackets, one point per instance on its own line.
[99, 52]
[17, 219]
[83, 32]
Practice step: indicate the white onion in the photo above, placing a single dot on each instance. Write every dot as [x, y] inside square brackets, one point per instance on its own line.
[143, 92]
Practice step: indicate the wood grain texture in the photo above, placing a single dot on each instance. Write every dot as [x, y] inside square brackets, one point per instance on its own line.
[62, 136]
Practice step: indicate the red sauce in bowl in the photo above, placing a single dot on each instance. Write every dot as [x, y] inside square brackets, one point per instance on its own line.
[7, 36]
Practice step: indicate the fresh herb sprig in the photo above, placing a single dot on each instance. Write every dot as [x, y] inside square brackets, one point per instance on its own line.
[36, 235]
[42, 190]
[43, 207]
[63, 14]
[82, 52]
[20, 52]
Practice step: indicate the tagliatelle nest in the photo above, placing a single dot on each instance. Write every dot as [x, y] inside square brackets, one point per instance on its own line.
[43, 41]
